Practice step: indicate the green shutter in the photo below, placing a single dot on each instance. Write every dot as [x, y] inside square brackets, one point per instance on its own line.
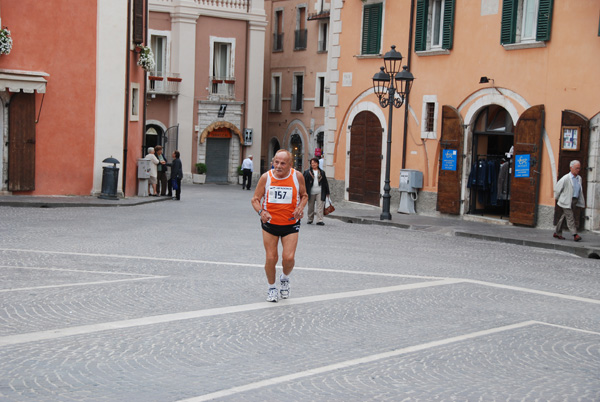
[544, 22]
[421, 25]
[508, 29]
[448, 33]
[371, 35]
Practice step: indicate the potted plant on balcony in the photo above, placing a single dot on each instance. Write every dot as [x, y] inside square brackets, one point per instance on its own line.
[200, 176]
[6, 41]
[146, 60]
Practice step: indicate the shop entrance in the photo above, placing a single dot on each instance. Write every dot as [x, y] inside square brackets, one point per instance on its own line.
[492, 152]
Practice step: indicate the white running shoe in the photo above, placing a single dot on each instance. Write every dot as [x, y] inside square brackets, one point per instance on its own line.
[273, 295]
[284, 291]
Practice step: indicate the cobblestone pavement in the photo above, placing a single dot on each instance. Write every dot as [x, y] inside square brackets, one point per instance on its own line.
[165, 302]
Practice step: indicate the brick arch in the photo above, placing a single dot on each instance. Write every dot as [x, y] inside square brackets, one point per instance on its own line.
[221, 124]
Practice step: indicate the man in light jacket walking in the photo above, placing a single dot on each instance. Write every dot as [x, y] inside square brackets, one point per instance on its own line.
[568, 192]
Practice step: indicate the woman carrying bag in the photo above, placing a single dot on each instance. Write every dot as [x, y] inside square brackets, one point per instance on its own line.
[317, 189]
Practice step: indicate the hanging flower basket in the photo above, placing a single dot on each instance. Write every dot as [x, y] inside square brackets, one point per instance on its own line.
[146, 60]
[155, 78]
[5, 41]
[174, 79]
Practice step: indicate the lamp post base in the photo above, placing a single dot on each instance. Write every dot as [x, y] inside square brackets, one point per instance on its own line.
[385, 216]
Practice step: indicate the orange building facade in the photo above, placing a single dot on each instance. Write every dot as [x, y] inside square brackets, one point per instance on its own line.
[68, 103]
[504, 97]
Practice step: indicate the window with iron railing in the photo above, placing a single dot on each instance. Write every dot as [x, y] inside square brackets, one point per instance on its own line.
[163, 83]
[278, 42]
[300, 39]
[297, 105]
[222, 87]
[275, 103]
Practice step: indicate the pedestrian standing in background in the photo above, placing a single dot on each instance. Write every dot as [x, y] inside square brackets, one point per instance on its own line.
[162, 170]
[568, 192]
[321, 162]
[152, 180]
[176, 175]
[279, 200]
[247, 169]
[317, 189]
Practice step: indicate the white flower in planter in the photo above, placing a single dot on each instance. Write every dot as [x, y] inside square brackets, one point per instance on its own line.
[6, 41]
[146, 60]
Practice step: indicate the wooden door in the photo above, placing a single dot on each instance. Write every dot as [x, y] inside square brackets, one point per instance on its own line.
[574, 119]
[449, 181]
[528, 145]
[365, 159]
[21, 142]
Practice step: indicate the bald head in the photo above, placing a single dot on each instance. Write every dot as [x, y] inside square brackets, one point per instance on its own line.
[282, 163]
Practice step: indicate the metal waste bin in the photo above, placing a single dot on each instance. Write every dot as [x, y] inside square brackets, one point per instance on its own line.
[110, 179]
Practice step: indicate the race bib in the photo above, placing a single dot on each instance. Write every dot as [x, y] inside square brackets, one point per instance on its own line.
[280, 195]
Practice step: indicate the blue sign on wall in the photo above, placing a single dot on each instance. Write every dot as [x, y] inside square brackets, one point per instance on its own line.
[449, 159]
[522, 163]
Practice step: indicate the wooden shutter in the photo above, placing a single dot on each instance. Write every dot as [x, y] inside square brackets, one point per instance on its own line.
[449, 181]
[21, 142]
[508, 29]
[365, 159]
[573, 119]
[421, 25]
[544, 20]
[138, 21]
[371, 29]
[524, 190]
[448, 26]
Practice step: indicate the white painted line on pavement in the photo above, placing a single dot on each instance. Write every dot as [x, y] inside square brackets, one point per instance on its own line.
[166, 318]
[83, 271]
[66, 285]
[354, 362]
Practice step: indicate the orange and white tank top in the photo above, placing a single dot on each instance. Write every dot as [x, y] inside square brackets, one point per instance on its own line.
[281, 198]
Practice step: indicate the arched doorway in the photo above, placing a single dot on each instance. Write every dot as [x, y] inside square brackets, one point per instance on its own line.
[296, 149]
[492, 151]
[365, 159]
[153, 137]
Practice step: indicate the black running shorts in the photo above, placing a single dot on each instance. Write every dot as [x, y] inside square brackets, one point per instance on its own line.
[281, 230]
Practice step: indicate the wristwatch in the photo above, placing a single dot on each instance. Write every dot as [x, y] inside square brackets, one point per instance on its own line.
[260, 212]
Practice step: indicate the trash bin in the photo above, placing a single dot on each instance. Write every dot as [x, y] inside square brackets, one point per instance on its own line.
[110, 179]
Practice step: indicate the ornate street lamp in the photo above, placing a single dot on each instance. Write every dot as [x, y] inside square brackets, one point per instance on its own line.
[397, 85]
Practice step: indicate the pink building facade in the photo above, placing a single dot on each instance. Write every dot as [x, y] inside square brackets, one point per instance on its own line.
[205, 94]
[67, 104]
[496, 82]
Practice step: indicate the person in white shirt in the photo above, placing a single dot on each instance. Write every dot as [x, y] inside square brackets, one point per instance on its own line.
[568, 193]
[247, 169]
[153, 172]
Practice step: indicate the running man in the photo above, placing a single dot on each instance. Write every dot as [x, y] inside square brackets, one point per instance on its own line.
[279, 199]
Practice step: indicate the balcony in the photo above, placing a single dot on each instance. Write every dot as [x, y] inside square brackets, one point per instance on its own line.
[278, 42]
[275, 103]
[228, 5]
[300, 39]
[159, 83]
[221, 88]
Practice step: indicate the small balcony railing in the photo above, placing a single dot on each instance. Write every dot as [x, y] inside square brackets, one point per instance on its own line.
[300, 36]
[163, 83]
[221, 87]
[278, 42]
[322, 46]
[297, 105]
[275, 103]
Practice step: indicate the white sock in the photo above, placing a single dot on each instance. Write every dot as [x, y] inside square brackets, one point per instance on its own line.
[284, 277]
[273, 286]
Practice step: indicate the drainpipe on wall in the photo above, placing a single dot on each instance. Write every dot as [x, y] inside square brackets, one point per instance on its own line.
[127, 89]
[408, 59]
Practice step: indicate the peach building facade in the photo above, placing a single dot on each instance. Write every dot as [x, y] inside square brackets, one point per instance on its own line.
[497, 83]
[69, 104]
[205, 94]
[296, 81]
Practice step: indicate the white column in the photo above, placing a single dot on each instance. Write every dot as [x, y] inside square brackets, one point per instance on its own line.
[183, 29]
[110, 85]
[254, 84]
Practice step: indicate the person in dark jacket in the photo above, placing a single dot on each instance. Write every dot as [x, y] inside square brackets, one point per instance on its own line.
[176, 176]
[317, 189]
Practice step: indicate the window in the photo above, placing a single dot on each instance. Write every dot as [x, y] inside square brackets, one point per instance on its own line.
[159, 43]
[323, 32]
[135, 102]
[429, 119]
[301, 32]
[320, 90]
[223, 78]
[278, 34]
[526, 21]
[275, 102]
[371, 29]
[434, 25]
[297, 95]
